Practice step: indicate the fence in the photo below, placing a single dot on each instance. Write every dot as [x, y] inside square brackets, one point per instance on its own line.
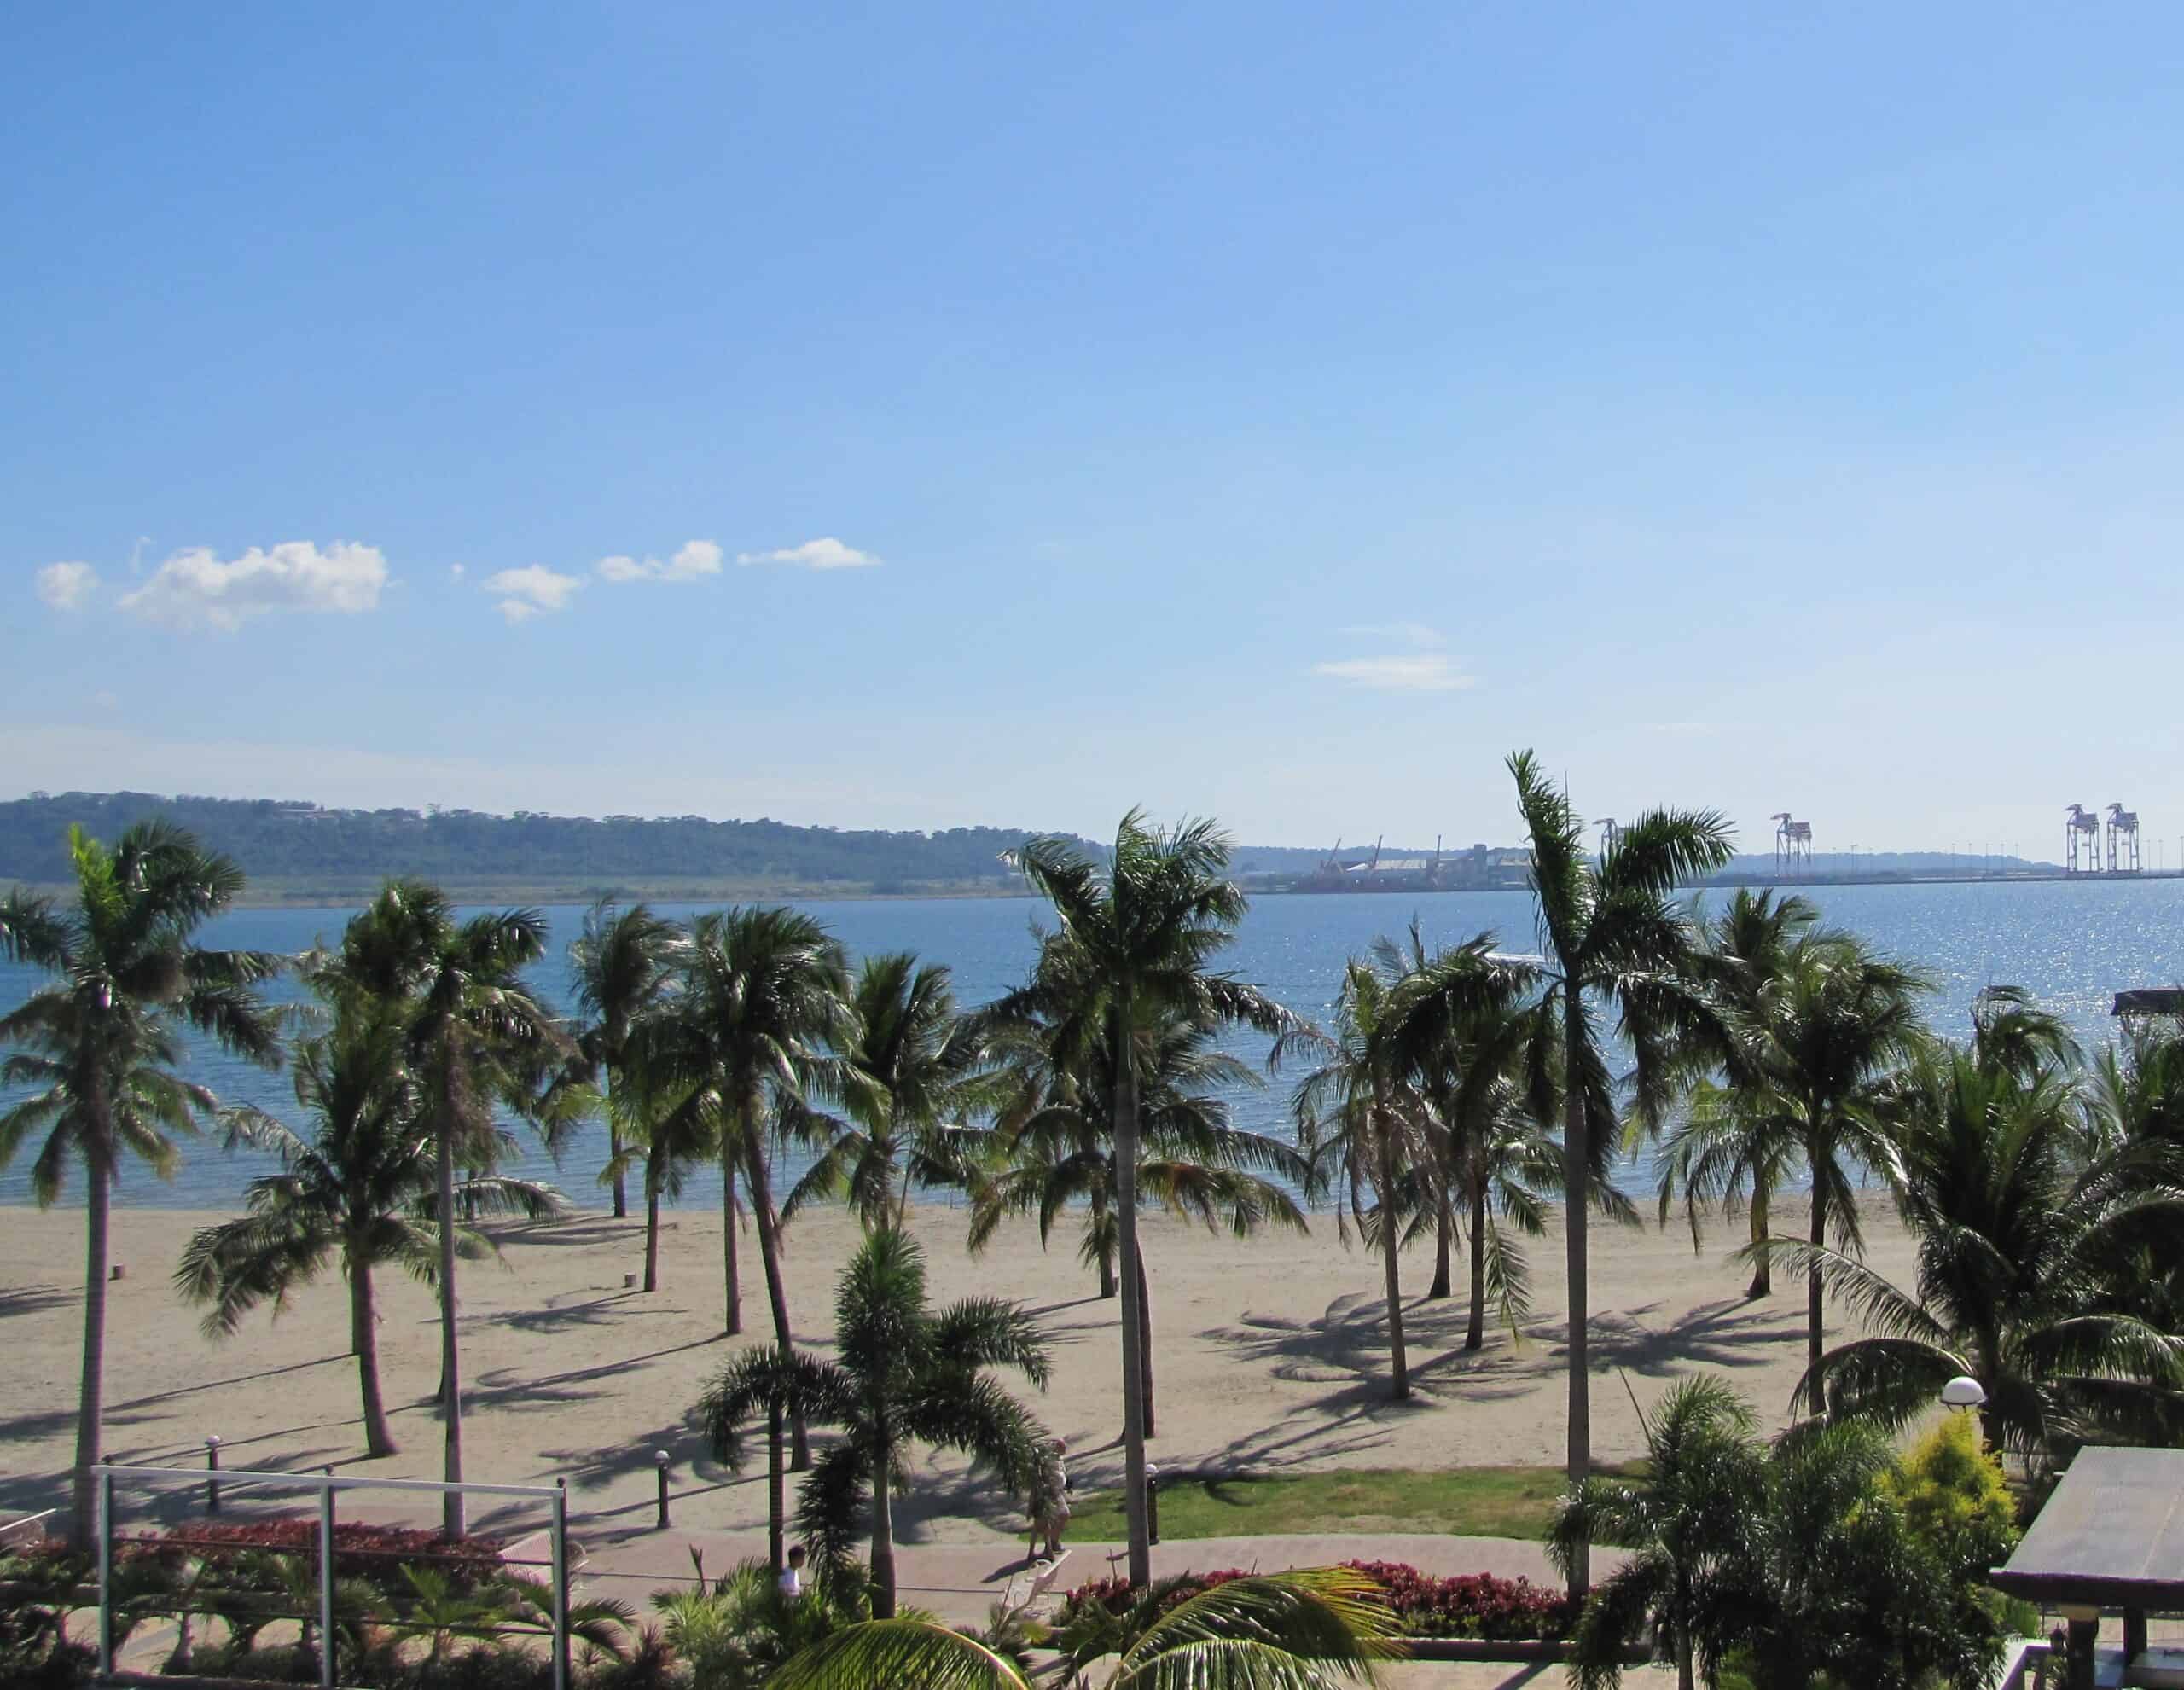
[324, 1486]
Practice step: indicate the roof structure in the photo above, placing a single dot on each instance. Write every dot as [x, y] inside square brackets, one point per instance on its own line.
[2111, 1536]
[2150, 1001]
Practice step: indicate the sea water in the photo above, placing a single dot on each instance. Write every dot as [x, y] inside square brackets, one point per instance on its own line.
[2072, 944]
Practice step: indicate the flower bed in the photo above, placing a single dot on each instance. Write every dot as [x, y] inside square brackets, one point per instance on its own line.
[1468, 1606]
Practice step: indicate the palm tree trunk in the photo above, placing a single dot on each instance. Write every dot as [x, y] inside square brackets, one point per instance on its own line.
[769, 1253]
[652, 1225]
[776, 1495]
[363, 1338]
[1475, 1334]
[1577, 1173]
[734, 1292]
[614, 1153]
[1124, 1126]
[1145, 1344]
[1813, 1335]
[883, 1540]
[1390, 1268]
[452, 1520]
[1444, 1229]
[90, 1400]
[1763, 1274]
[1106, 1256]
[1686, 1679]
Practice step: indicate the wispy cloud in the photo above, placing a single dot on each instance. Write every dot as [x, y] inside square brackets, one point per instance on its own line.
[695, 558]
[68, 586]
[1409, 672]
[533, 590]
[825, 552]
[1403, 633]
[196, 588]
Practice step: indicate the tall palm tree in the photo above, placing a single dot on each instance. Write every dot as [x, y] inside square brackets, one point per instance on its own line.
[1835, 1032]
[1051, 1152]
[1729, 1148]
[475, 1038]
[905, 1376]
[100, 1045]
[1609, 932]
[665, 1126]
[2035, 1232]
[763, 1004]
[926, 1070]
[360, 1189]
[1137, 937]
[621, 965]
[1315, 1628]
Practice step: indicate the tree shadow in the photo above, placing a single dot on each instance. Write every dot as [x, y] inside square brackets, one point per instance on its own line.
[35, 1299]
[1728, 1333]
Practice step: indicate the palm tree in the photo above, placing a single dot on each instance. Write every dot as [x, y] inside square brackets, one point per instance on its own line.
[2010, 1030]
[906, 1376]
[1136, 938]
[1685, 1523]
[926, 1070]
[670, 1126]
[361, 1188]
[622, 966]
[1729, 1146]
[763, 994]
[1051, 1152]
[1834, 1033]
[2034, 1229]
[100, 1046]
[474, 1037]
[1609, 932]
[1313, 1629]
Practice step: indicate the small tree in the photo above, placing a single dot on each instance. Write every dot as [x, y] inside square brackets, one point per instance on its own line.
[906, 1376]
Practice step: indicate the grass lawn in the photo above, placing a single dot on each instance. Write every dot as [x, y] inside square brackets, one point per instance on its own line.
[1461, 1501]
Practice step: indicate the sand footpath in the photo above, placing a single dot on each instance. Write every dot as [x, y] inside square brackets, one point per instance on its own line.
[1271, 1355]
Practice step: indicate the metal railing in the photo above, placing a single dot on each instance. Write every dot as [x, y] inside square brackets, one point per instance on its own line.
[27, 1521]
[555, 1497]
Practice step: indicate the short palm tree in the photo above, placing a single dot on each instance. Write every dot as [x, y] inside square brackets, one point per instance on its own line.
[1685, 1523]
[1609, 932]
[762, 1003]
[1051, 1153]
[905, 1376]
[359, 1188]
[99, 1047]
[1138, 936]
[621, 966]
[2034, 1230]
[927, 1072]
[1312, 1629]
[474, 1039]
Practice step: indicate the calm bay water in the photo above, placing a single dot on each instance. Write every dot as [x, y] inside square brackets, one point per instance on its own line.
[2072, 944]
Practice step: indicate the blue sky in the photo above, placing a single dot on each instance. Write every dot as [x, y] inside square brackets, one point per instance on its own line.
[1276, 411]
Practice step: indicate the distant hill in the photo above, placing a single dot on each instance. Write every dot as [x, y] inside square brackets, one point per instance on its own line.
[295, 850]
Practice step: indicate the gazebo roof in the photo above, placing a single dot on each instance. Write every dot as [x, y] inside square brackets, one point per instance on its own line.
[2111, 1536]
[2151, 1001]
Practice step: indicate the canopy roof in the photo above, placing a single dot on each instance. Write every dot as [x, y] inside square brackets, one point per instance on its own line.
[2111, 1536]
[2150, 1001]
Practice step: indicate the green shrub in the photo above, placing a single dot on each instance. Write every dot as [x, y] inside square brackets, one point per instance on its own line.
[1951, 1488]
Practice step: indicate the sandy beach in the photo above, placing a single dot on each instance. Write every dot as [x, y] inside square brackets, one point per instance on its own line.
[1271, 1356]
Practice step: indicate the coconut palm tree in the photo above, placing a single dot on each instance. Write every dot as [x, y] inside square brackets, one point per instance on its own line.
[621, 966]
[474, 1038]
[1138, 935]
[1609, 933]
[1051, 1153]
[2031, 1227]
[98, 1047]
[762, 1003]
[905, 1376]
[665, 1127]
[1685, 1523]
[360, 1189]
[927, 1072]
[1729, 1145]
[1315, 1628]
[2010, 1030]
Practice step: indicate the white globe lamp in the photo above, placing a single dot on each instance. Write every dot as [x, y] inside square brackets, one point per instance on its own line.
[1964, 1392]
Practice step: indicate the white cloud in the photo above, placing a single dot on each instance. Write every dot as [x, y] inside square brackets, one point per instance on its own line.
[1412, 672]
[68, 586]
[1416, 634]
[695, 559]
[455, 570]
[195, 587]
[530, 591]
[825, 552]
